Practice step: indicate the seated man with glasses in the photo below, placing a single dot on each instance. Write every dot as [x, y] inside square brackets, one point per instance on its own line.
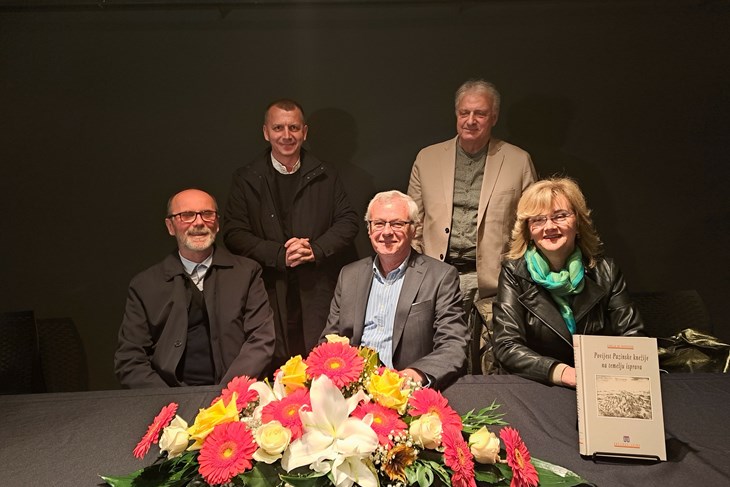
[199, 317]
[556, 284]
[405, 305]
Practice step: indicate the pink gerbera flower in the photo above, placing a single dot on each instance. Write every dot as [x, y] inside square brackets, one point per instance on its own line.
[458, 458]
[164, 418]
[240, 385]
[286, 411]
[518, 458]
[227, 452]
[385, 421]
[425, 401]
[338, 361]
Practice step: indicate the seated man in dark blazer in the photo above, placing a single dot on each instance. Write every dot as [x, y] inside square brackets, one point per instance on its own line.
[405, 305]
[199, 317]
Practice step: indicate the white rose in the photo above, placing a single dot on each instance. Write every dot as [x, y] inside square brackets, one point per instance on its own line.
[426, 431]
[175, 438]
[484, 445]
[273, 439]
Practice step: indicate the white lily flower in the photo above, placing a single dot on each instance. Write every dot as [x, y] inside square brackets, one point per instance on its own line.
[332, 440]
[268, 393]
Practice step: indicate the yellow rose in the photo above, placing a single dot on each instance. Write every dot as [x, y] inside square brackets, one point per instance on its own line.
[207, 419]
[386, 390]
[272, 438]
[484, 445]
[293, 374]
[426, 431]
[175, 438]
[332, 338]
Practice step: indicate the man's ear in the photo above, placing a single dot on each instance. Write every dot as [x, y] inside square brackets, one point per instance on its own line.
[170, 227]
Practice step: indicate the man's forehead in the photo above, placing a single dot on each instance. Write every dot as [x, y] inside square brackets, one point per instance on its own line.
[192, 200]
[392, 207]
[476, 100]
[280, 116]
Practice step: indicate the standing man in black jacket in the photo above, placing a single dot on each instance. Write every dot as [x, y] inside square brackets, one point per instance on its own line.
[289, 212]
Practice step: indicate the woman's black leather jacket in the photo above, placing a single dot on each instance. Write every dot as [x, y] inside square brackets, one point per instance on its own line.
[530, 335]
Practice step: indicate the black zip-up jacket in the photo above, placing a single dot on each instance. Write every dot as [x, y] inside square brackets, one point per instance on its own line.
[530, 335]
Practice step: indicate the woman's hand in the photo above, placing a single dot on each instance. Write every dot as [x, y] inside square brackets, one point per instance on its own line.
[568, 377]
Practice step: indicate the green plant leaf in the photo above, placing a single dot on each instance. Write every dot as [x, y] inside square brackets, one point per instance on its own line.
[152, 476]
[555, 475]
[306, 478]
[261, 475]
[439, 470]
[490, 474]
[419, 474]
[486, 416]
[163, 473]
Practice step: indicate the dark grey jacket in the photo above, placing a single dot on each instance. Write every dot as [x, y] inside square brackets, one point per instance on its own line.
[154, 330]
[530, 335]
[429, 331]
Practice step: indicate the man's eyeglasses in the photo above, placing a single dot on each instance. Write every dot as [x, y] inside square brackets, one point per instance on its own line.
[190, 216]
[558, 218]
[379, 225]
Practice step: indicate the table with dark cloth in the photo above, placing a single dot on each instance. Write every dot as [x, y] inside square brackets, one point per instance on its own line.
[696, 427]
[67, 439]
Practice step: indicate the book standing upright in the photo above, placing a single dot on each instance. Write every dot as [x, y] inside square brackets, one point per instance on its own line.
[619, 397]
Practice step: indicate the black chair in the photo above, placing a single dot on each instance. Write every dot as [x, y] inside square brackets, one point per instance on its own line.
[62, 357]
[18, 352]
[666, 313]
[480, 353]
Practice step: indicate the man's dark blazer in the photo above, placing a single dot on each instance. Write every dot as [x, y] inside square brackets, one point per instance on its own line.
[429, 333]
[154, 329]
[253, 227]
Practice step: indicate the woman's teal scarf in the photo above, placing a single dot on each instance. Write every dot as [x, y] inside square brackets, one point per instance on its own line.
[560, 284]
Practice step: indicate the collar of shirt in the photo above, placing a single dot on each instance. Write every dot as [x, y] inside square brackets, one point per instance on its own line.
[479, 156]
[190, 266]
[393, 275]
[281, 168]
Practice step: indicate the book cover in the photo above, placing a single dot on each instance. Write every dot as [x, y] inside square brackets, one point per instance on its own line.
[619, 397]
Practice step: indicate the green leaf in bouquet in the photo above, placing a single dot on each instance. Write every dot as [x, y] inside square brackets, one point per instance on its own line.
[156, 475]
[304, 477]
[555, 475]
[261, 475]
[420, 474]
[491, 474]
[370, 356]
[438, 469]
[175, 472]
[486, 416]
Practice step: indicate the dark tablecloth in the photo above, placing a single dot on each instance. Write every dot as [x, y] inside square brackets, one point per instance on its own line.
[696, 427]
[68, 439]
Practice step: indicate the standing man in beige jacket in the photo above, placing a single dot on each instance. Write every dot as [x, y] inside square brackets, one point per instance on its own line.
[467, 189]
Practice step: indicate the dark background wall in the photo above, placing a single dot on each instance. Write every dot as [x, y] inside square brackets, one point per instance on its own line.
[104, 113]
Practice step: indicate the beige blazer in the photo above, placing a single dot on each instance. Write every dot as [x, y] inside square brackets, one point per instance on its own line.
[509, 170]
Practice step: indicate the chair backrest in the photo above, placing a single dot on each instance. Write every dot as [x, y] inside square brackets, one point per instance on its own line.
[62, 356]
[666, 313]
[18, 352]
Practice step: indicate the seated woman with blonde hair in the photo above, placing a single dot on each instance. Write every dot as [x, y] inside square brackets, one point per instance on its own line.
[555, 284]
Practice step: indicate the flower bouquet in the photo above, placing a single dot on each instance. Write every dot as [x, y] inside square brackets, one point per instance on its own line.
[336, 419]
